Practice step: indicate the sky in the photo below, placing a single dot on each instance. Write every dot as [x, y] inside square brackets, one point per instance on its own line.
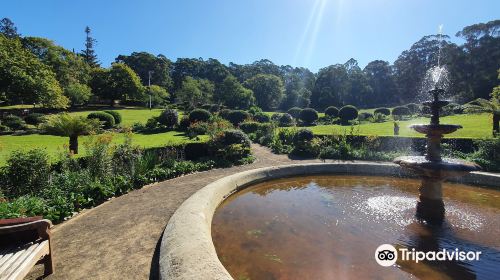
[305, 33]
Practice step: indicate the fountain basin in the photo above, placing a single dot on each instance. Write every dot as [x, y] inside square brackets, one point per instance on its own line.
[444, 169]
[435, 130]
[187, 250]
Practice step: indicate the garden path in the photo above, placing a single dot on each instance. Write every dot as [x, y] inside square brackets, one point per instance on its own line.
[120, 239]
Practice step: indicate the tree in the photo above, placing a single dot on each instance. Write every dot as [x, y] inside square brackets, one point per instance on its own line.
[26, 80]
[72, 127]
[381, 80]
[268, 90]
[143, 63]
[232, 94]
[88, 53]
[159, 96]
[331, 88]
[119, 82]
[68, 67]
[194, 92]
[8, 29]
[78, 94]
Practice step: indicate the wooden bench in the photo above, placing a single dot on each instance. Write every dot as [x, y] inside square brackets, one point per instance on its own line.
[24, 243]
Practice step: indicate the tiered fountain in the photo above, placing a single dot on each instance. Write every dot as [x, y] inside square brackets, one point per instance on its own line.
[432, 168]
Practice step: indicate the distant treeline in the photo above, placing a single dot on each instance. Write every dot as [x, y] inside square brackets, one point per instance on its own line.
[36, 71]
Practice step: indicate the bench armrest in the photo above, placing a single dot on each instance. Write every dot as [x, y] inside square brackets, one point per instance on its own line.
[41, 226]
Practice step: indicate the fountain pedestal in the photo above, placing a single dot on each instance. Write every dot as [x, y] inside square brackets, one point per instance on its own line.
[432, 168]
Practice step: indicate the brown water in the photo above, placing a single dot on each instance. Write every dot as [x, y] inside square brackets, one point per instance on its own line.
[328, 227]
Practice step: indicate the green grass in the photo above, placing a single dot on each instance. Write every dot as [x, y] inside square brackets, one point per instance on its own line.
[55, 145]
[130, 116]
[474, 126]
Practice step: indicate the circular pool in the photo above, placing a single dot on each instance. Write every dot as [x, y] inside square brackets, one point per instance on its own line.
[326, 227]
[279, 223]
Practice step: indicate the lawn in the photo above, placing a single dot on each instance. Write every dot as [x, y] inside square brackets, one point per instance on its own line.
[56, 144]
[474, 126]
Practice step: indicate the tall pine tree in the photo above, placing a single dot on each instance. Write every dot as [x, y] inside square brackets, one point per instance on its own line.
[8, 28]
[88, 53]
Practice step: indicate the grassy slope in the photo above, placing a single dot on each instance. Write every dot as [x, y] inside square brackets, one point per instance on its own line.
[55, 144]
[474, 126]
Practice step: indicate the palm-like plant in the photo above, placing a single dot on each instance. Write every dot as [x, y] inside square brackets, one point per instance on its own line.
[66, 125]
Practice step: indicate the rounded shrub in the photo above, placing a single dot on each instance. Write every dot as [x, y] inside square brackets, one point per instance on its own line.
[116, 115]
[35, 118]
[308, 116]
[107, 119]
[224, 113]
[303, 135]
[383, 111]
[249, 127]
[199, 115]
[414, 108]
[348, 113]
[14, 122]
[231, 145]
[261, 117]
[286, 120]
[332, 112]
[365, 116]
[169, 118]
[238, 116]
[401, 111]
[214, 108]
[184, 123]
[294, 112]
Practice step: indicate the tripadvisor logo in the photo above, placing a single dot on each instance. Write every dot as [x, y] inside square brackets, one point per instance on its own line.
[387, 255]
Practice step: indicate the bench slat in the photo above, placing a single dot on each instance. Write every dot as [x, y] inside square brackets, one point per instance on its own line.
[19, 263]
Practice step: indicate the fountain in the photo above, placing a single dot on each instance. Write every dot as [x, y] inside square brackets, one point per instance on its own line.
[432, 168]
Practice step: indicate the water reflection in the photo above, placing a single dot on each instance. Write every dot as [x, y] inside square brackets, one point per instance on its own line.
[328, 227]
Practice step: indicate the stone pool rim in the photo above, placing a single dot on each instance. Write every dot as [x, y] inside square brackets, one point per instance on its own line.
[187, 250]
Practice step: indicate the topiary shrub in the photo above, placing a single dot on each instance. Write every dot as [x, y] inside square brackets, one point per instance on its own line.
[261, 117]
[116, 115]
[332, 112]
[107, 120]
[254, 110]
[35, 118]
[184, 123]
[238, 116]
[383, 111]
[169, 118]
[414, 108]
[294, 112]
[199, 115]
[14, 122]
[250, 127]
[401, 111]
[348, 113]
[214, 108]
[308, 116]
[231, 145]
[286, 120]
[152, 123]
[303, 143]
[224, 113]
[365, 116]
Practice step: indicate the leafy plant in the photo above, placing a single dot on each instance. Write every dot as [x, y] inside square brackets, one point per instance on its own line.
[308, 116]
[107, 120]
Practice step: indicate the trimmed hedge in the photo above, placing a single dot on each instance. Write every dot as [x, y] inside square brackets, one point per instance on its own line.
[14, 122]
[199, 115]
[332, 111]
[401, 111]
[294, 112]
[365, 116]
[107, 119]
[238, 116]
[309, 116]
[250, 127]
[261, 117]
[383, 111]
[169, 118]
[116, 115]
[348, 113]
[286, 120]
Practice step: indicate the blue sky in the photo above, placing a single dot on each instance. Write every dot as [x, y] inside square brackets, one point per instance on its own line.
[309, 33]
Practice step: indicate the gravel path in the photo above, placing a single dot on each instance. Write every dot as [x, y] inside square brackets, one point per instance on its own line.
[120, 238]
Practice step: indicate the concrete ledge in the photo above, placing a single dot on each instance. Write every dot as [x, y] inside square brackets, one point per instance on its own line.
[187, 250]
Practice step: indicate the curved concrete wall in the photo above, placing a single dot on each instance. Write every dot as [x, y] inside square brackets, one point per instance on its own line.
[187, 250]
